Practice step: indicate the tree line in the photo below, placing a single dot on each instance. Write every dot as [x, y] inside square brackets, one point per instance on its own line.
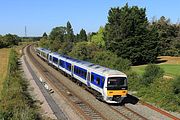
[9, 40]
[127, 34]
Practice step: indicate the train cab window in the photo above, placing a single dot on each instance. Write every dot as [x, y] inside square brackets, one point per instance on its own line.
[92, 78]
[98, 80]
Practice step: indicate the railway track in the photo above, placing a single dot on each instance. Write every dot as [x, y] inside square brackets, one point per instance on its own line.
[128, 113]
[81, 106]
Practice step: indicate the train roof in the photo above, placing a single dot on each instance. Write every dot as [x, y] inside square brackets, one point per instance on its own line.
[44, 50]
[94, 67]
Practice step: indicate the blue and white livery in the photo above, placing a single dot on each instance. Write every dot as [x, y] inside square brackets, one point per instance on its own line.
[107, 84]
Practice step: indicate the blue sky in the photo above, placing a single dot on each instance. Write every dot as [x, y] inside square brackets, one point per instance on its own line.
[42, 15]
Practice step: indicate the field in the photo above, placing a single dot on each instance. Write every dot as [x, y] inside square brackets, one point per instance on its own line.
[171, 66]
[4, 57]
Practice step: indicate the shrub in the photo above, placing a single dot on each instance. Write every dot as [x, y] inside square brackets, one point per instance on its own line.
[176, 85]
[151, 73]
[133, 80]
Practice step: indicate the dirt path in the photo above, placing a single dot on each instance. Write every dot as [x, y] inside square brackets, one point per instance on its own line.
[169, 60]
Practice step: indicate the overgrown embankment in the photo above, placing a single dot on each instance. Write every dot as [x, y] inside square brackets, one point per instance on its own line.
[16, 102]
[153, 88]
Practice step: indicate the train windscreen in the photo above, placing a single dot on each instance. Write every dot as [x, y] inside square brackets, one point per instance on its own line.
[116, 83]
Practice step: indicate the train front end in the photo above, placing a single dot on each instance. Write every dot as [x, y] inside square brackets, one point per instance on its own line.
[115, 88]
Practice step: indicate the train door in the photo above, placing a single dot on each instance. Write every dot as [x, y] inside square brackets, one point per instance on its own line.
[88, 79]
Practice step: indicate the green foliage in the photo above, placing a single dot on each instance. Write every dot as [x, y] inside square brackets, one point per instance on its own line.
[82, 36]
[98, 38]
[161, 93]
[9, 40]
[83, 51]
[111, 60]
[176, 85]
[127, 35]
[167, 34]
[44, 42]
[57, 33]
[133, 80]
[151, 73]
[16, 102]
[65, 48]
[70, 33]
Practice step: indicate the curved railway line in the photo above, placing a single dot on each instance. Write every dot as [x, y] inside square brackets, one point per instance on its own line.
[86, 110]
[81, 106]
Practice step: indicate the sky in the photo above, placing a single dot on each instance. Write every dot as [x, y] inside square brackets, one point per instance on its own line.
[41, 16]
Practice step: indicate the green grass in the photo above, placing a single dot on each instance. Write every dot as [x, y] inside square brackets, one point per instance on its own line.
[172, 70]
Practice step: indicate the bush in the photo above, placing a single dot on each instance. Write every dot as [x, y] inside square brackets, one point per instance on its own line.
[151, 73]
[176, 85]
[133, 80]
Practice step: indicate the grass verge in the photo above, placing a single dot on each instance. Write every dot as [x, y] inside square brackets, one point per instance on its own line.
[4, 58]
[170, 69]
[16, 103]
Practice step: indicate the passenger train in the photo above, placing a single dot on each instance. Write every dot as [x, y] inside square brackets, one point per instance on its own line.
[107, 84]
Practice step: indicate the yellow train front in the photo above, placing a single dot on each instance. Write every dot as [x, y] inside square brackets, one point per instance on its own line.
[115, 88]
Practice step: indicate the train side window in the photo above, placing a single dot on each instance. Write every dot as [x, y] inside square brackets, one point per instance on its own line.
[82, 73]
[74, 69]
[78, 71]
[55, 60]
[98, 80]
[50, 58]
[69, 67]
[92, 78]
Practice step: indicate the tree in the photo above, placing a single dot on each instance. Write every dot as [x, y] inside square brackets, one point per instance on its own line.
[98, 38]
[10, 40]
[69, 33]
[56, 38]
[166, 33]
[82, 36]
[58, 33]
[44, 42]
[45, 35]
[127, 35]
